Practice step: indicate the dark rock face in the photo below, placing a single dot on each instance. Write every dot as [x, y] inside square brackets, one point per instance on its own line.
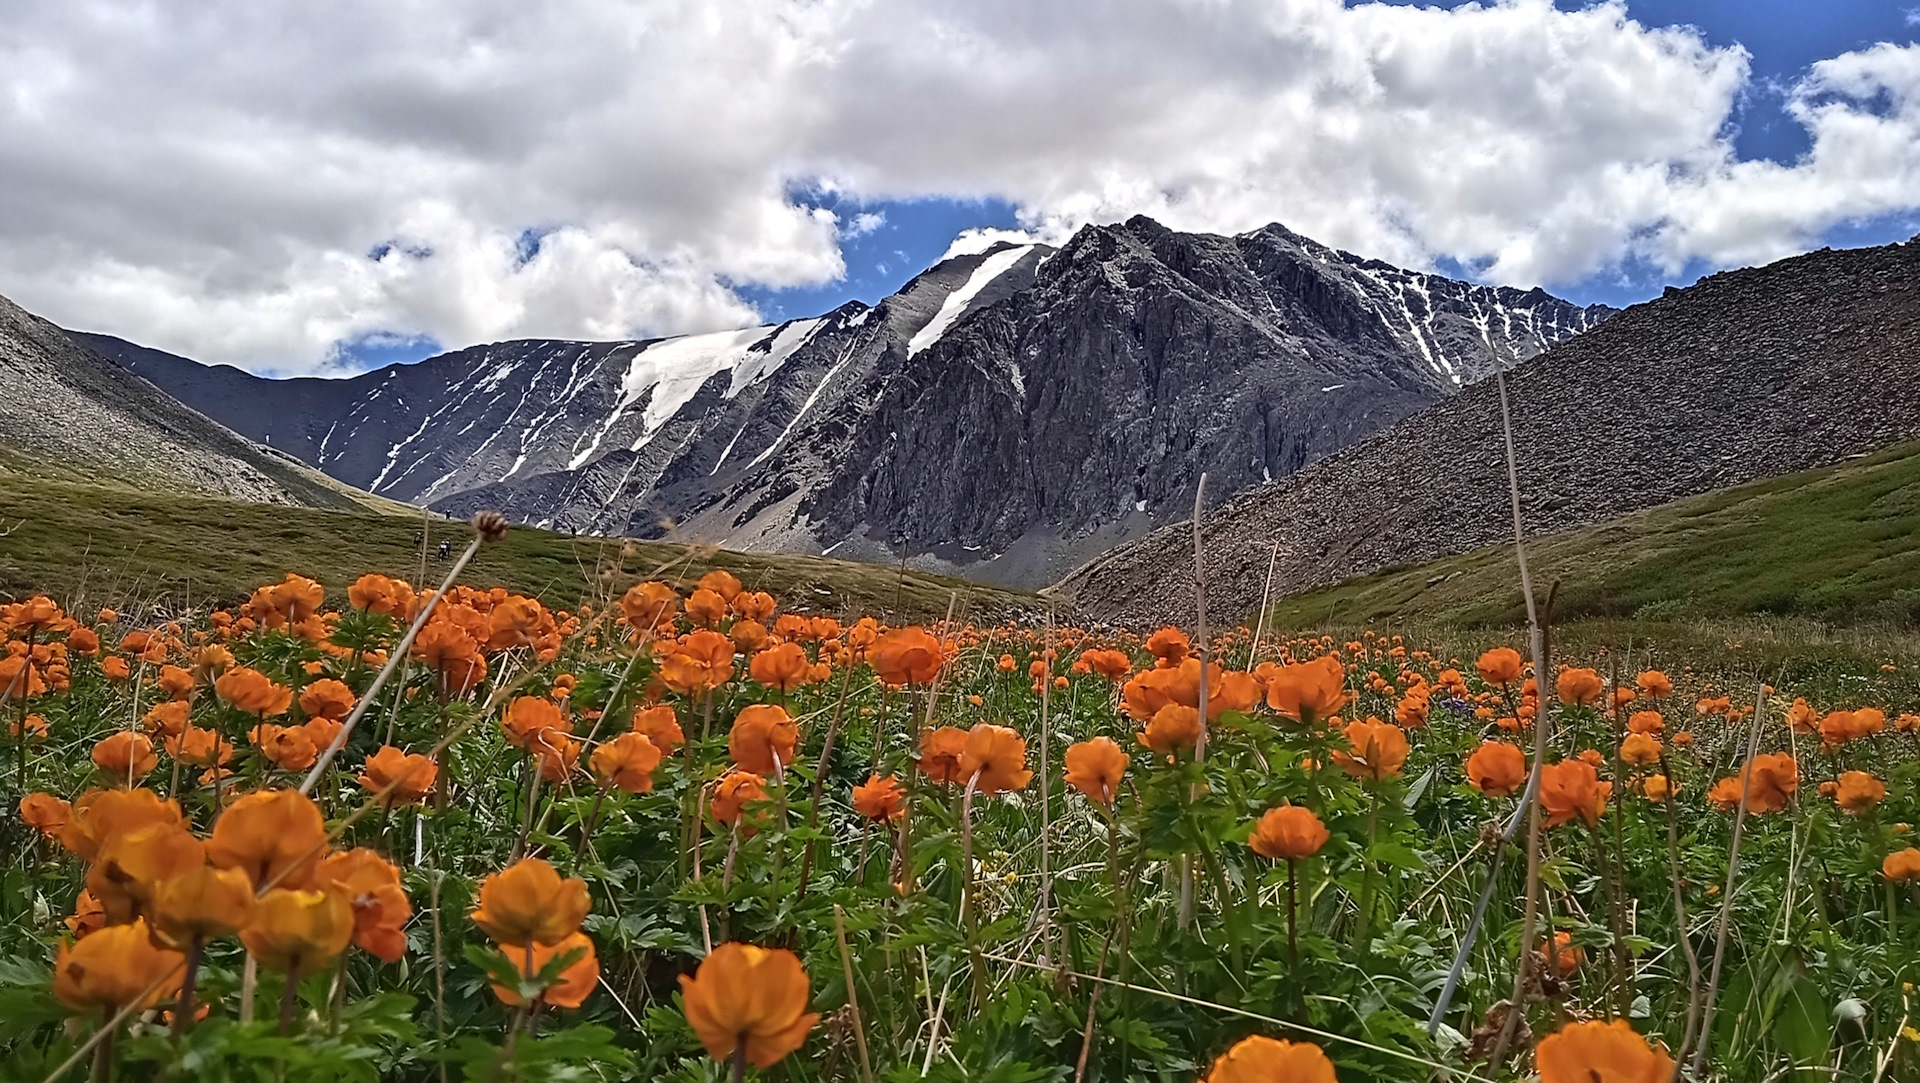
[67, 411]
[1005, 415]
[1748, 374]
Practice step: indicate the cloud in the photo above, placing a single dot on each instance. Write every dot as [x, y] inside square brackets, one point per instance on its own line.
[216, 178]
[863, 223]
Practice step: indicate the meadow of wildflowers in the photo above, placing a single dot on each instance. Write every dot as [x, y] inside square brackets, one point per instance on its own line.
[407, 834]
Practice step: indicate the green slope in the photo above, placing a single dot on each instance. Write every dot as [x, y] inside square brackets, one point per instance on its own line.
[1835, 544]
[91, 545]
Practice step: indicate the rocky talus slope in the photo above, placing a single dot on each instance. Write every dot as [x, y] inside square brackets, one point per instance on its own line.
[1747, 374]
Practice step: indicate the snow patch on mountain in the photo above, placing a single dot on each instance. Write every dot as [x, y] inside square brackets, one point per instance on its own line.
[956, 303]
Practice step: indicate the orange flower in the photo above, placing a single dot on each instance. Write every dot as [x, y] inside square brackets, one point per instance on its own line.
[721, 582]
[748, 636]
[530, 719]
[733, 793]
[659, 725]
[1497, 768]
[132, 864]
[907, 656]
[783, 666]
[286, 747]
[1113, 665]
[114, 668]
[274, 836]
[1379, 750]
[1640, 749]
[1859, 791]
[994, 759]
[574, 983]
[706, 608]
[529, 901]
[199, 747]
[371, 886]
[763, 739]
[45, 813]
[376, 593]
[1653, 684]
[411, 776]
[1769, 782]
[1173, 727]
[1311, 691]
[167, 719]
[650, 606]
[1647, 722]
[327, 698]
[1258, 1059]
[627, 762]
[1597, 1052]
[1290, 833]
[113, 968]
[1231, 691]
[1501, 666]
[1578, 687]
[177, 683]
[940, 751]
[200, 904]
[1656, 787]
[88, 916]
[744, 996]
[559, 754]
[1170, 645]
[451, 652]
[1571, 789]
[1096, 767]
[298, 932]
[253, 692]
[125, 755]
[1152, 689]
[880, 798]
[701, 662]
[1563, 954]
[1901, 865]
[100, 815]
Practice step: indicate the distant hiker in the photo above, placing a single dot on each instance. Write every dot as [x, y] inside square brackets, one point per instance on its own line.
[446, 548]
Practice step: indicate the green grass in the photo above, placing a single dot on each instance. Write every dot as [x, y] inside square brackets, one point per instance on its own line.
[91, 545]
[1835, 545]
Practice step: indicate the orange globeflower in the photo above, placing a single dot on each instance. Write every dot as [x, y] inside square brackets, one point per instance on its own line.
[1654, 684]
[88, 916]
[1501, 666]
[200, 904]
[1170, 645]
[906, 656]
[274, 836]
[530, 718]
[1769, 782]
[115, 967]
[45, 813]
[733, 793]
[1597, 1052]
[650, 606]
[575, 982]
[783, 666]
[721, 582]
[167, 719]
[1289, 833]
[327, 698]
[747, 997]
[659, 725]
[1233, 690]
[1647, 722]
[125, 755]
[706, 608]
[559, 754]
[253, 692]
[627, 763]
[411, 776]
[371, 886]
[1497, 768]
[1310, 692]
[1096, 767]
[1259, 1059]
[99, 815]
[529, 901]
[940, 751]
[1571, 789]
[1152, 689]
[994, 759]
[1173, 727]
[880, 798]
[199, 747]
[1563, 954]
[287, 747]
[1859, 791]
[700, 663]
[1113, 665]
[298, 932]
[1578, 687]
[1379, 750]
[1901, 865]
[1656, 787]
[113, 668]
[1640, 749]
[763, 739]
[376, 593]
[177, 683]
[133, 863]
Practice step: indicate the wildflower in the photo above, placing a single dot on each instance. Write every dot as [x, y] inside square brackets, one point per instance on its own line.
[298, 932]
[627, 763]
[721, 582]
[253, 692]
[327, 698]
[574, 983]
[1653, 684]
[783, 666]
[1113, 665]
[1578, 687]
[1497, 768]
[1095, 768]
[98, 816]
[700, 663]
[1378, 750]
[1233, 690]
[131, 864]
[1859, 791]
[881, 798]
[1173, 727]
[650, 606]
[1656, 787]
[1500, 666]
[200, 904]
[940, 751]
[1152, 689]
[1290, 832]
[88, 916]
[744, 996]
[1901, 865]
[286, 747]
[1259, 1059]
[1802, 717]
[659, 725]
[529, 901]
[1170, 645]
[371, 886]
[125, 755]
[1769, 782]
[1647, 722]
[199, 747]
[45, 813]
[753, 605]
[1596, 1052]
[274, 836]
[706, 608]
[1565, 955]
[177, 683]
[763, 739]
[733, 793]
[114, 668]
[994, 759]
[113, 968]
[411, 776]
[529, 719]
[748, 636]
[907, 656]
[1571, 789]
[376, 593]
[1640, 749]
[1309, 692]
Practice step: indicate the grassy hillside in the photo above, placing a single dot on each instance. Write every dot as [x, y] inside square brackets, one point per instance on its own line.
[1835, 544]
[95, 545]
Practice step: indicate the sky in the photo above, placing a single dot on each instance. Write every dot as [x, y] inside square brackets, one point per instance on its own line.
[320, 189]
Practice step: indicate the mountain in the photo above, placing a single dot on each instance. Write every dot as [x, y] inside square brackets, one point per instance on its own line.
[1005, 414]
[1749, 374]
[70, 413]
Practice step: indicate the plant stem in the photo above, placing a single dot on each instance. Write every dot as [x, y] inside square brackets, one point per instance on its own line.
[183, 1010]
[288, 992]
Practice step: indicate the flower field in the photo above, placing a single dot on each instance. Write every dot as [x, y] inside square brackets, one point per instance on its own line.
[703, 834]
